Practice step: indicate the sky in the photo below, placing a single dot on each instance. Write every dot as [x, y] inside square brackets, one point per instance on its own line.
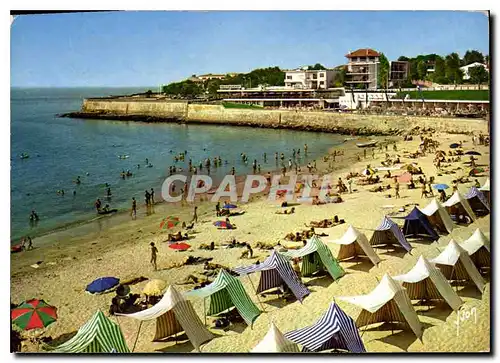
[149, 48]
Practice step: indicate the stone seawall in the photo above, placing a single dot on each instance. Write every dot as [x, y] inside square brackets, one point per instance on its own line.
[163, 111]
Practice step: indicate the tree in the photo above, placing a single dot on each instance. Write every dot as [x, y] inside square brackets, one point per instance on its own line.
[421, 69]
[478, 75]
[439, 75]
[413, 70]
[473, 56]
[453, 71]
[403, 59]
[383, 74]
[317, 67]
[339, 76]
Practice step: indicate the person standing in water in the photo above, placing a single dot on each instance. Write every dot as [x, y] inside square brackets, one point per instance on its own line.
[154, 252]
[109, 192]
[152, 196]
[134, 209]
[305, 148]
[98, 205]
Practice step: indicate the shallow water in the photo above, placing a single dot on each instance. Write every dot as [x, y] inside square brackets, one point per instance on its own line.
[62, 149]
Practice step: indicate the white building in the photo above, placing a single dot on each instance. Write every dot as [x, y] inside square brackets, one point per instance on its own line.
[363, 68]
[466, 68]
[309, 79]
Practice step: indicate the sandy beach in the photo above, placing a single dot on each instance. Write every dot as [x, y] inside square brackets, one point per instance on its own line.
[122, 250]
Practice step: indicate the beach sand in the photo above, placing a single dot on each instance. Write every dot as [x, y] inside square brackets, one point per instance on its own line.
[123, 251]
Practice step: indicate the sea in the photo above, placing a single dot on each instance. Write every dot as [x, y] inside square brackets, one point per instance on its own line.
[62, 149]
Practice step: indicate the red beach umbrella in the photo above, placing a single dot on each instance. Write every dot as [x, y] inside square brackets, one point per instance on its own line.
[33, 314]
[181, 246]
[169, 222]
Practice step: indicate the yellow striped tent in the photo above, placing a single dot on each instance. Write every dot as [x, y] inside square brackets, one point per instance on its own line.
[173, 315]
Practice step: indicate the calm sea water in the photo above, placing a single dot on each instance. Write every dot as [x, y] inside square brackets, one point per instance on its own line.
[61, 149]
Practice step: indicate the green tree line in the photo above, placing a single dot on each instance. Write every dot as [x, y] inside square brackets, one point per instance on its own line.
[446, 69]
[271, 76]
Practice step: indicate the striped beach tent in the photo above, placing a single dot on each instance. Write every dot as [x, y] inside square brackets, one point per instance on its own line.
[478, 248]
[225, 292]
[417, 225]
[388, 302]
[458, 204]
[388, 234]
[438, 216]
[276, 271]
[353, 244]
[173, 315]
[334, 330]
[425, 282]
[456, 265]
[316, 256]
[98, 335]
[275, 342]
[477, 201]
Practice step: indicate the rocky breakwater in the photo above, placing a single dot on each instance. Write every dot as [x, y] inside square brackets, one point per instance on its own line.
[341, 123]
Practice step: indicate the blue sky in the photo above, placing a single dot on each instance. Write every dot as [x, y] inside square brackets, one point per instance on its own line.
[151, 48]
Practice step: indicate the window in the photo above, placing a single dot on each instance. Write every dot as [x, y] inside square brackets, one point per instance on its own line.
[288, 77]
[322, 75]
[321, 83]
[315, 76]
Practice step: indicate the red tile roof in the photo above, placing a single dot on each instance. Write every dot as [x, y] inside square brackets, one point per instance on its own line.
[365, 52]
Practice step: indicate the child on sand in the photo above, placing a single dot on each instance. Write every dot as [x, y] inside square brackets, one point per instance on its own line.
[154, 251]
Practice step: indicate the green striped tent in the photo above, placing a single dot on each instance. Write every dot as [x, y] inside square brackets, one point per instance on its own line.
[225, 292]
[98, 335]
[316, 256]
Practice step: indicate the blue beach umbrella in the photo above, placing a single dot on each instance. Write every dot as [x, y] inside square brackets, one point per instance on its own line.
[102, 284]
[440, 186]
[229, 206]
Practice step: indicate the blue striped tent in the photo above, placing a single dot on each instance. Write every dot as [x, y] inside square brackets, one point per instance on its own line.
[417, 224]
[477, 200]
[225, 292]
[334, 330]
[388, 233]
[316, 256]
[276, 271]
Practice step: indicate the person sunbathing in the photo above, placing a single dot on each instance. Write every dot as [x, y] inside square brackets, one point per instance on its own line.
[209, 247]
[316, 201]
[291, 211]
[177, 237]
[325, 223]
[192, 260]
[265, 246]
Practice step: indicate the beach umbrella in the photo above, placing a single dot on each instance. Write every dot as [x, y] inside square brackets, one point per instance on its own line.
[472, 152]
[102, 284]
[404, 178]
[475, 171]
[155, 287]
[181, 246]
[229, 206]
[440, 186]
[454, 146]
[367, 172]
[222, 224]
[33, 314]
[169, 222]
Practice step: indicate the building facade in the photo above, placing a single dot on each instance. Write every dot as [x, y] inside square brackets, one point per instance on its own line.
[465, 69]
[309, 79]
[399, 72]
[362, 69]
